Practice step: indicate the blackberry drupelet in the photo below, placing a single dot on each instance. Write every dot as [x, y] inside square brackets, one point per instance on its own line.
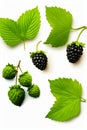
[39, 59]
[74, 51]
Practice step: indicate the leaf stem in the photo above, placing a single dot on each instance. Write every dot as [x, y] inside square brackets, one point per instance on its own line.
[37, 45]
[83, 100]
[80, 34]
[24, 45]
[79, 28]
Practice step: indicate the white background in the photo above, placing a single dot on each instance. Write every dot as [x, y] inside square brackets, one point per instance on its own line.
[31, 115]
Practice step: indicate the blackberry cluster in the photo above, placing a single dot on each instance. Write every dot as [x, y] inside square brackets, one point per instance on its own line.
[39, 59]
[74, 52]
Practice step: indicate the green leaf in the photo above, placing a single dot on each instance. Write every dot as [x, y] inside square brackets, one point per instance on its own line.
[9, 31]
[25, 28]
[61, 21]
[68, 95]
[29, 23]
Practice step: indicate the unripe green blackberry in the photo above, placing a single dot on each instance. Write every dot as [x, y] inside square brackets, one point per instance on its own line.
[9, 71]
[34, 91]
[16, 95]
[25, 79]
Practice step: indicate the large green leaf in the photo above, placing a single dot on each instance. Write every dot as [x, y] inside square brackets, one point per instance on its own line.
[9, 31]
[26, 27]
[29, 23]
[64, 110]
[61, 21]
[68, 95]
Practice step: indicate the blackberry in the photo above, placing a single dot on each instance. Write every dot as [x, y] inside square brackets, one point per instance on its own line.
[39, 59]
[16, 95]
[25, 79]
[74, 51]
[9, 71]
[34, 91]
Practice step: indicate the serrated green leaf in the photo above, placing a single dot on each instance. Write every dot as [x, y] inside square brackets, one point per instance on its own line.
[29, 23]
[64, 110]
[9, 31]
[61, 21]
[68, 95]
[25, 28]
[66, 86]
[56, 38]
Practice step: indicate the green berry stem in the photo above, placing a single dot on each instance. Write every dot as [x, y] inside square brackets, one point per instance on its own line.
[83, 100]
[20, 69]
[80, 34]
[38, 45]
[79, 28]
[16, 78]
[19, 63]
[18, 66]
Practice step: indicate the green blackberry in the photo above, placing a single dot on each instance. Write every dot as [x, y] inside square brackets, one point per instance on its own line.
[74, 51]
[39, 59]
[34, 91]
[25, 79]
[9, 71]
[16, 95]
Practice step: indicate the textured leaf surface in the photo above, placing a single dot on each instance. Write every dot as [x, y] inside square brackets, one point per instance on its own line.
[9, 31]
[68, 97]
[29, 23]
[25, 28]
[61, 21]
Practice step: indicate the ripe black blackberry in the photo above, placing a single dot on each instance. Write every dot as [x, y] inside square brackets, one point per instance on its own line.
[39, 58]
[74, 51]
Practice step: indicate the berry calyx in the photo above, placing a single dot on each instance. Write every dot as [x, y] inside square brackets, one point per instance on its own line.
[16, 95]
[74, 51]
[39, 58]
[25, 79]
[34, 91]
[9, 71]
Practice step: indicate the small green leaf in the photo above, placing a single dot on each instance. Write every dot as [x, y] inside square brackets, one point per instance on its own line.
[61, 21]
[68, 95]
[29, 23]
[9, 31]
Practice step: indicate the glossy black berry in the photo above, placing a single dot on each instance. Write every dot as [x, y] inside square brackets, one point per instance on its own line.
[39, 59]
[74, 52]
